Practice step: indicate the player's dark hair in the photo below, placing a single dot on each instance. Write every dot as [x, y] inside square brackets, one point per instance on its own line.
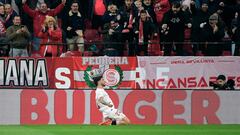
[96, 79]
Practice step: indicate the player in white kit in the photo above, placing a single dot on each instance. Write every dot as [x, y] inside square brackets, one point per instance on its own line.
[106, 106]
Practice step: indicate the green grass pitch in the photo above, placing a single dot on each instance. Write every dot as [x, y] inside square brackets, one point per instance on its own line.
[121, 130]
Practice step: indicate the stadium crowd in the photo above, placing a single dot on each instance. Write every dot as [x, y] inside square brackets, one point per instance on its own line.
[119, 27]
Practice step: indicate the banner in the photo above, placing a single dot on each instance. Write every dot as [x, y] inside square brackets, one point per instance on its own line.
[186, 72]
[66, 73]
[140, 106]
[119, 72]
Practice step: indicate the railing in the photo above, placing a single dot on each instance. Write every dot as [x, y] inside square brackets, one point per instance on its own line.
[154, 47]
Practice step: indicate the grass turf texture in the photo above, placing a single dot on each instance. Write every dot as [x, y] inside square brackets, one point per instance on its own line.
[121, 130]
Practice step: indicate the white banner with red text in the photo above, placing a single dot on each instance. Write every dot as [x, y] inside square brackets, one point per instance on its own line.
[186, 72]
[140, 106]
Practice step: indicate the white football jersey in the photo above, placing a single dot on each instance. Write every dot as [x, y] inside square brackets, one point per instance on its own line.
[102, 93]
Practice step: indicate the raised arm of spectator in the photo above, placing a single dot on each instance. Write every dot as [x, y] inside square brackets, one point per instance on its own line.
[28, 10]
[58, 9]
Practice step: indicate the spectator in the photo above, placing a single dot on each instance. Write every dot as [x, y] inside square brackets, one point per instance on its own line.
[220, 83]
[199, 19]
[213, 6]
[160, 8]
[2, 21]
[3, 47]
[148, 6]
[113, 33]
[19, 36]
[223, 84]
[174, 22]
[96, 12]
[236, 33]
[143, 30]
[74, 28]
[213, 33]
[12, 3]
[51, 37]
[137, 8]
[10, 14]
[111, 14]
[127, 34]
[39, 17]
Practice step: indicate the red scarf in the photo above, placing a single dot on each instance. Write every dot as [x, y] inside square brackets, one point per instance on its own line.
[2, 28]
[140, 34]
[9, 15]
[130, 21]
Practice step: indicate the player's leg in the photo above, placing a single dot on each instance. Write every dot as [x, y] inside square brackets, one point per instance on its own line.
[123, 120]
[107, 121]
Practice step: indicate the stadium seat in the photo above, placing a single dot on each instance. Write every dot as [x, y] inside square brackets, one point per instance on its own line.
[92, 36]
[199, 53]
[227, 53]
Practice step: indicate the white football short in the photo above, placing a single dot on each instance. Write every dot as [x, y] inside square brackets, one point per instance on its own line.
[113, 113]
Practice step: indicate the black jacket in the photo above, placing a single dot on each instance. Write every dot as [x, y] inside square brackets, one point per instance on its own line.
[148, 29]
[198, 17]
[176, 23]
[74, 20]
[214, 44]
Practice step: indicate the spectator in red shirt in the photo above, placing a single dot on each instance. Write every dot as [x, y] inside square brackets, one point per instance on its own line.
[50, 34]
[39, 16]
